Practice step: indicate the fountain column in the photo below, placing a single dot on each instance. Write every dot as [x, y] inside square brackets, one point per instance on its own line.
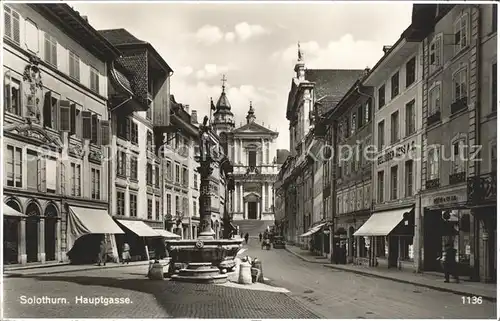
[205, 169]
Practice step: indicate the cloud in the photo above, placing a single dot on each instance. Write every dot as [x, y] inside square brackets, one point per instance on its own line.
[211, 70]
[184, 71]
[209, 34]
[345, 53]
[242, 31]
[245, 31]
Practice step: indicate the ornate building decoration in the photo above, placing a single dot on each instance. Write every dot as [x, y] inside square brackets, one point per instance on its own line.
[33, 89]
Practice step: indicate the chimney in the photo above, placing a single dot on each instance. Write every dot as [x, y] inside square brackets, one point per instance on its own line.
[386, 49]
[186, 108]
[194, 117]
[85, 18]
[367, 71]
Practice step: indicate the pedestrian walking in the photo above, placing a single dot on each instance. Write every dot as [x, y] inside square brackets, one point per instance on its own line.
[336, 257]
[260, 237]
[246, 238]
[126, 253]
[101, 259]
[343, 253]
[450, 264]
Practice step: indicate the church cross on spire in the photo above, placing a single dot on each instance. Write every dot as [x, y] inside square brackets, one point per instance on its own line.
[224, 79]
[300, 54]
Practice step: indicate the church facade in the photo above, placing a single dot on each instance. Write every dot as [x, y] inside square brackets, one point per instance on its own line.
[252, 151]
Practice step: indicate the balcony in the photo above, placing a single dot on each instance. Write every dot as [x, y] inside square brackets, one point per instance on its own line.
[434, 118]
[482, 188]
[432, 183]
[459, 105]
[456, 178]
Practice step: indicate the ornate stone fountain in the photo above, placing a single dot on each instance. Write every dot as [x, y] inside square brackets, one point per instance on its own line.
[203, 260]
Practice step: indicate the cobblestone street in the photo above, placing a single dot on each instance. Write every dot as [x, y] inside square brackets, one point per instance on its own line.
[148, 299]
[338, 294]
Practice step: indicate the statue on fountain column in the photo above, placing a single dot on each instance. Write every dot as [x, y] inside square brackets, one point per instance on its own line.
[204, 139]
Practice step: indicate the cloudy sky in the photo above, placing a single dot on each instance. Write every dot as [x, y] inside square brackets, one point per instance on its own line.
[255, 45]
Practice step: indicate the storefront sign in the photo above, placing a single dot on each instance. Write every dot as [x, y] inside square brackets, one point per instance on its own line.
[445, 199]
[397, 152]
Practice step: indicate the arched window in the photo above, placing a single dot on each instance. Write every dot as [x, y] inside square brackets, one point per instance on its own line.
[433, 163]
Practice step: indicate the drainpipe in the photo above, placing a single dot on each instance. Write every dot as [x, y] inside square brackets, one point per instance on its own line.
[333, 193]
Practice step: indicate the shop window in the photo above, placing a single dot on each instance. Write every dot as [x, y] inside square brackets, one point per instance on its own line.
[380, 246]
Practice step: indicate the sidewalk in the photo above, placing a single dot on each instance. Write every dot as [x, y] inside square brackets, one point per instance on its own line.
[428, 280]
[61, 268]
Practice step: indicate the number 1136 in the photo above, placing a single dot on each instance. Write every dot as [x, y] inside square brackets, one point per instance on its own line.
[472, 300]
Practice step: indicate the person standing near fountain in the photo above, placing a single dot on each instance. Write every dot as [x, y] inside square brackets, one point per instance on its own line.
[246, 238]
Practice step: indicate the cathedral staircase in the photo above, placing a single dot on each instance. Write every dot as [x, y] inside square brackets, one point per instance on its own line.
[252, 227]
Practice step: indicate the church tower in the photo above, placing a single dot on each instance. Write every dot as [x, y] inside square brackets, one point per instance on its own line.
[251, 114]
[223, 117]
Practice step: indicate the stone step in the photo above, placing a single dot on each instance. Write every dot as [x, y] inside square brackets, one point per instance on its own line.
[220, 278]
[196, 272]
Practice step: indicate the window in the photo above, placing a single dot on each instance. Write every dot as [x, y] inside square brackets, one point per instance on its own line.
[50, 109]
[33, 170]
[50, 50]
[12, 94]
[347, 126]
[395, 85]
[410, 118]
[493, 157]
[434, 100]
[96, 183]
[169, 204]
[75, 179]
[133, 168]
[11, 25]
[394, 127]
[13, 161]
[121, 163]
[177, 205]
[185, 177]
[460, 85]
[409, 178]
[194, 209]
[360, 116]
[157, 210]
[185, 206]
[353, 123]
[120, 203]
[380, 186]
[195, 180]
[169, 171]
[368, 111]
[458, 159]
[177, 174]
[461, 30]
[150, 209]
[127, 129]
[133, 205]
[267, 152]
[410, 72]
[252, 158]
[157, 176]
[74, 66]
[435, 53]
[494, 88]
[381, 133]
[94, 80]
[381, 96]
[394, 182]
[31, 35]
[149, 174]
[433, 163]
[149, 142]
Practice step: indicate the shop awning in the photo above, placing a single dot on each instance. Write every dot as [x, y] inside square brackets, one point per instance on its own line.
[139, 228]
[166, 234]
[9, 211]
[381, 224]
[313, 230]
[82, 221]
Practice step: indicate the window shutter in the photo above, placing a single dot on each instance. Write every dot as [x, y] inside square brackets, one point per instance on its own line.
[94, 128]
[457, 37]
[127, 165]
[72, 119]
[41, 174]
[16, 33]
[8, 21]
[65, 116]
[105, 132]
[53, 53]
[87, 124]
[128, 124]
[47, 110]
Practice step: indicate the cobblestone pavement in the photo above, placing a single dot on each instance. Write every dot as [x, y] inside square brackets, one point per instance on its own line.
[337, 294]
[147, 298]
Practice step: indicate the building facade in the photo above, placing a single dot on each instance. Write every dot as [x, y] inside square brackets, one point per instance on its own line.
[459, 115]
[56, 131]
[397, 138]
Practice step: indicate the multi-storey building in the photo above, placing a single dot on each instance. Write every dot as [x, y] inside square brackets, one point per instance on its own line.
[459, 117]
[354, 117]
[140, 103]
[397, 136]
[56, 134]
[309, 86]
[279, 196]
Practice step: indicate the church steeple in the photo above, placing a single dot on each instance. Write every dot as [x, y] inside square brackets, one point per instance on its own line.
[251, 114]
[223, 117]
[223, 102]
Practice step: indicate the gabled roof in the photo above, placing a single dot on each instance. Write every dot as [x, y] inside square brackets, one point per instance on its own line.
[254, 127]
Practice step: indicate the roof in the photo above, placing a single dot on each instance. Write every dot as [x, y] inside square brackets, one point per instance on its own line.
[253, 127]
[282, 155]
[77, 27]
[330, 85]
[223, 102]
[122, 39]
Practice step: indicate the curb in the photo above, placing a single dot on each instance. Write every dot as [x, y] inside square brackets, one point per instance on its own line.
[301, 257]
[437, 288]
[14, 273]
[304, 306]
